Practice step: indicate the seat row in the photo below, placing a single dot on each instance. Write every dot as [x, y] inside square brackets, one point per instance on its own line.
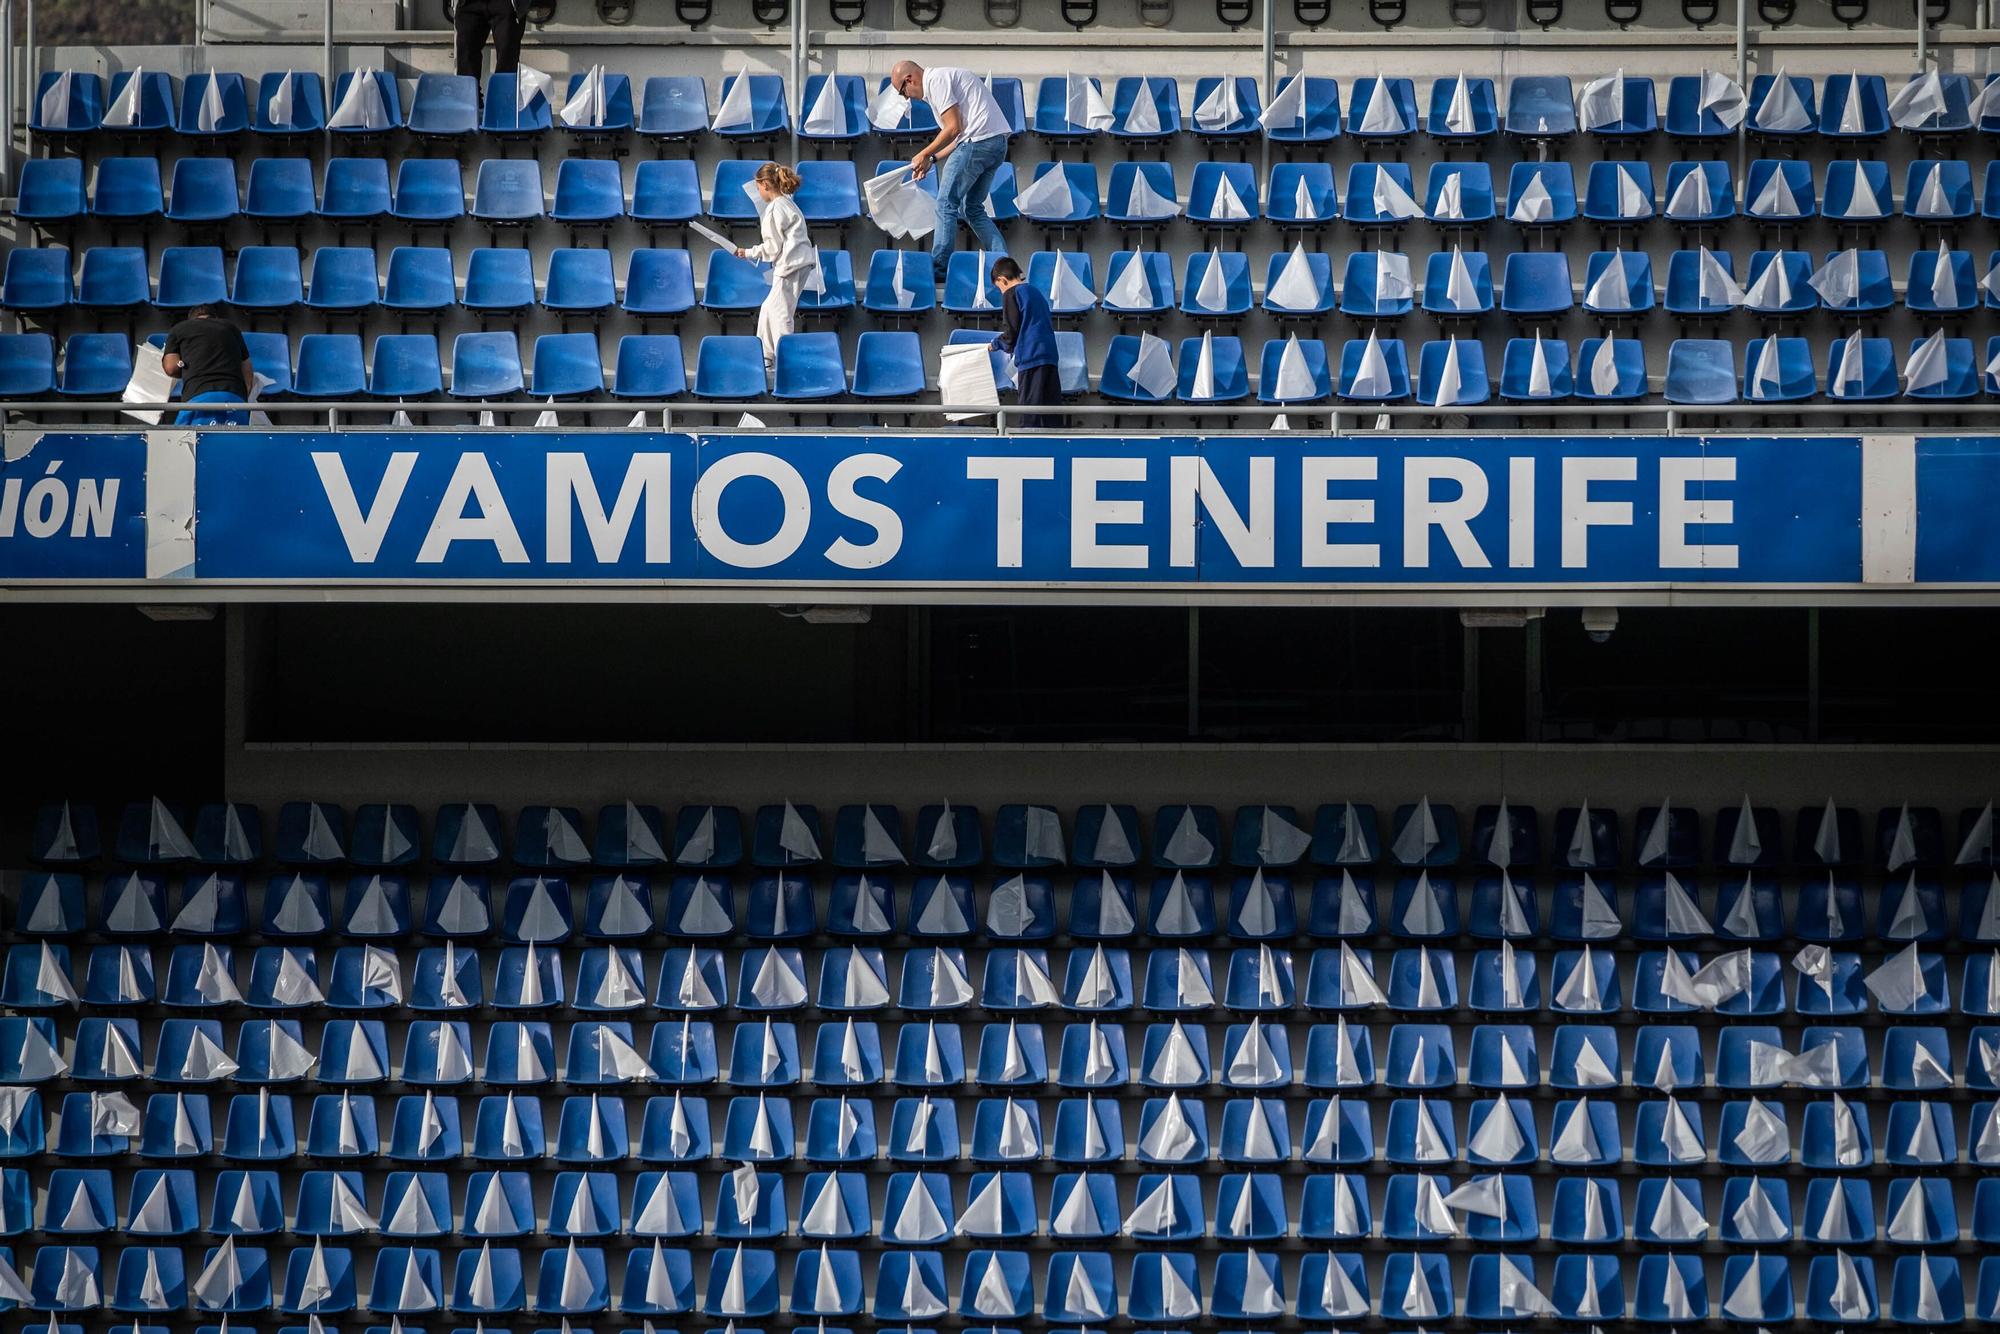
[766, 1054]
[1071, 108]
[1180, 908]
[592, 193]
[924, 1208]
[1836, 1135]
[421, 281]
[1744, 982]
[1139, 369]
[1077, 1286]
[1025, 836]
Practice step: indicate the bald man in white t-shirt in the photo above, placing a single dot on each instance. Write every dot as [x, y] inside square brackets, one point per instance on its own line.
[971, 141]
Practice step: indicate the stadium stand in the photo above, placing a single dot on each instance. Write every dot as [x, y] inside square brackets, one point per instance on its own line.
[896, 1065]
[1407, 233]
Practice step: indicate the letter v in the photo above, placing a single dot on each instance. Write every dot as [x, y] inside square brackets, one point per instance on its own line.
[363, 534]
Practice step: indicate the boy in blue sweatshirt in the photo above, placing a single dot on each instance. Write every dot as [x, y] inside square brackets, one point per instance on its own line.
[1030, 335]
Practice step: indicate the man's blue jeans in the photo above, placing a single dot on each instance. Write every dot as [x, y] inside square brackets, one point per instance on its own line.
[963, 184]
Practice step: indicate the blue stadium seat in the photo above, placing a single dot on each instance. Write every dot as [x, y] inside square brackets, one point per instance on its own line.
[27, 370]
[95, 365]
[733, 284]
[1235, 281]
[1231, 380]
[1701, 371]
[386, 89]
[1686, 117]
[1543, 107]
[127, 189]
[1376, 285]
[1959, 371]
[353, 189]
[307, 95]
[899, 282]
[617, 117]
[1938, 191]
[1699, 193]
[1618, 282]
[1395, 364]
[1637, 114]
[1380, 194]
[1473, 384]
[1616, 192]
[1521, 381]
[729, 367]
[1480, 108]
[1857, 191]
[1313, 353]
[342, 279]
[567, 365]
[1862, 371]
[673, 107]
[1529, 183]
[1855, 107]
[1396, 116]
[1165, 95]
[485, 365]
[649, 366]
[1211, 191]
[579, 282]
[51, 190]
[846, 106]
[1126, 177]
[80, 111]
[499, 280]
[1084, 203]
[809, 366]
[1075, 296]
[267, 278]
[279, 189]
[888, 364]
[329, 367]
[1949, 288]
[36, 279]
[507, 191]
[1301, 194]
[1439, 297]
[428, 190]
[157, 106]
[829, 192]
[1459, 193]
[1316, 114]
[1536, 283]
[229, 105]
[505, 118]
[589, 192]
[1763, 119]
[768, 114]
[419, 280]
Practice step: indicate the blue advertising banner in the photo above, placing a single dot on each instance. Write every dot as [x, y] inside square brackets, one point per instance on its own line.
[984, 510]
[74, 507]
[1178, 513]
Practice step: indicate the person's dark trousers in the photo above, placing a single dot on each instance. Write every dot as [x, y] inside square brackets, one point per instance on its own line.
[1039, 386]
[474, 20]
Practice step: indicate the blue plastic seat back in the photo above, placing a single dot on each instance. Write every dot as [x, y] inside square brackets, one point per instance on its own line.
[444, 106]
[1604, 186]
[899, 281]
[1232, 378]
[1042, 274]
[1320, 118]
[1395, 361]
[419, 278]
[267, 278]
[157, 107]
[1052, 108]
[568, 364]
[1165, 95]
[673, 106]
[847, 105]
[580, 281]
[190, 276]
[1365, 181]
[497, 279]
[1474, 386]
[1718, 195]
[729, 367]
[280, 189]
[405, 366]
[485, 365]
[588, 190]
[1951, 177]
[429, 190]
[829, 191]
[769, 113]
[1701, 370]
[728, 197]
[27, 364]
[1158, 177]
[617, 105]
[507, 189]
[96, 365]
[204, 190]
[235, 109]
[1322, 200]
[1399, 107]
[1536, 283]
[809, 366]
[343, 278]
[1115, 380]
[1854, 106]
[1481, 102]
[1760, 92]
[1084, 201]
[1541, 107]
[1634, 294]
[354, 189]
[308, 96]
[36, 279]
[1313, 351]
[965, 280]
[666, 191]
[1556, 178]
[649, 366]
[1235, 277]
[659, 282]
[81, 111]
[1321, 266]
[392, 101]
[1206, 197]
[1845, 179]
[51, 190]
[1213, 124]
[127, 188]
[888, 364]
[733, 284]
[1685, 118]
[1437, 283]
[1475, 193]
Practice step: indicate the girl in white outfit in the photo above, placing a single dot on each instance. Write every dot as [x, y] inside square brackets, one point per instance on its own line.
[789, 252]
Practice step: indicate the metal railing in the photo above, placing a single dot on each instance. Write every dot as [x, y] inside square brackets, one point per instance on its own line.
[1813, 419]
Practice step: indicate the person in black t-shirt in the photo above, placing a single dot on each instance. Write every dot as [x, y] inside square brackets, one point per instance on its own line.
[208, 356]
